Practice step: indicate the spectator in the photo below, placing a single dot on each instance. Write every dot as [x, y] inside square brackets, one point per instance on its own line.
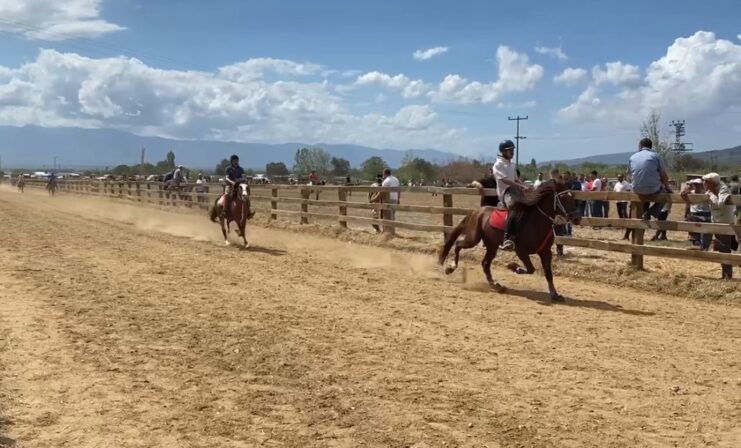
[622, 186]
[735, 187]
[538, 181]
[313, 178]
[648, 177]
[390, 181]
[697, 213]
[596, 186]
[376, 197]
[559, 230]
[488, 182]
[721, 213]
[660, 235]
[201, 188]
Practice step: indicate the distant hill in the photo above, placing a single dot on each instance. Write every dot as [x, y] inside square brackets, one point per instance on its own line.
[33, 146]
[728, 156]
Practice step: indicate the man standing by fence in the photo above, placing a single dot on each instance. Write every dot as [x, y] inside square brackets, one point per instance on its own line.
[648, 177]
[376, 197]
[488, 182]
[722, 213]
[390, 181]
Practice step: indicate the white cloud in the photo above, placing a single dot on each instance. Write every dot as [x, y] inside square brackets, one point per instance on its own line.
[618, 74]
[423, 55]
[409, 88]
[63, 89]
[256, 68]
[571, 76]
[54, 20]
[554, 52]
[516, 74]
[738, 36]
[699, 75]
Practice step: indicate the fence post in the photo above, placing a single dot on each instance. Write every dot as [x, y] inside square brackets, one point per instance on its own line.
[342, 193]
[447, 218]
[161, 194]
[274, 204]
[138, 191]
[637, 236]
[305, 194]
[149, 193]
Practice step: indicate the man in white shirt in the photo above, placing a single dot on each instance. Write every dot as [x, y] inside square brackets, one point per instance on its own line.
[509, 188]
[538, 181]
[622, 186]
[390, 181]
[597, 207]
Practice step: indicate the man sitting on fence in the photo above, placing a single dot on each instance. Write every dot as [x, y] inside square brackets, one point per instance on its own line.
[648, 177]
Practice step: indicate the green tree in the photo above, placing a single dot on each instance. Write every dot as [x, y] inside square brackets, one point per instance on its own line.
[650, 129]
[170, 159]
[276, 169]
[340, 167]
[222, 166]
[312, 159]
[533, 164]
[417, 169]
[371, 167]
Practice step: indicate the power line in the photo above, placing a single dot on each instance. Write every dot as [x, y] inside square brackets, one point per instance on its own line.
[518, 137]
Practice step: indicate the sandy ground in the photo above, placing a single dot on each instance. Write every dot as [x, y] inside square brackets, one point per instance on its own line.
[123, 326]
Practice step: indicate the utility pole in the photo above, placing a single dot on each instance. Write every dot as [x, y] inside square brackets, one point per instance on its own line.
[518, 138]
[55, 163]
[679, 147]
[141, 162]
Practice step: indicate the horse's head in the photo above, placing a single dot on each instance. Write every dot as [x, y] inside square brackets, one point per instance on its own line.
[244, 192]
[564, 203]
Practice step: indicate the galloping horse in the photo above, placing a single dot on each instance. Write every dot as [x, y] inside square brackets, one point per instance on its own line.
[551, 203]
[239, 212]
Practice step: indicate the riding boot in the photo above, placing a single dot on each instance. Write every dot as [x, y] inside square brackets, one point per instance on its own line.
[510, 232]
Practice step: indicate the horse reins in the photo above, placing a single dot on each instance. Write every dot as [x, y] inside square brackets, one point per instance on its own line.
[557, 206]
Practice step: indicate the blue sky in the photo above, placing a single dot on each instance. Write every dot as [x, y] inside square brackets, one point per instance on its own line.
[345, 72]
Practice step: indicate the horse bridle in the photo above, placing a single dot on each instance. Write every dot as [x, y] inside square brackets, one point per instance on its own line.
[557, 207]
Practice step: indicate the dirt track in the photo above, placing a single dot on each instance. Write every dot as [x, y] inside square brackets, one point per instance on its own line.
[137, 328]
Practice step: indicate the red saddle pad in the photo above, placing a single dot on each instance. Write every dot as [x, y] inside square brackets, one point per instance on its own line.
[498, 219]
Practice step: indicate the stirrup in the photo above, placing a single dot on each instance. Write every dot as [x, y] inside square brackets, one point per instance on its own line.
[507, 245]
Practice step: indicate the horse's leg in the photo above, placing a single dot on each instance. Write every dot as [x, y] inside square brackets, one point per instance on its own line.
[491, 253]
[525, 258]
[243, 229]
[223, 231]
[469, 241]
[546, 257]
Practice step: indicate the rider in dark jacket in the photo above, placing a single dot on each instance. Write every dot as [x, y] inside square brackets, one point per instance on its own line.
[234, 176]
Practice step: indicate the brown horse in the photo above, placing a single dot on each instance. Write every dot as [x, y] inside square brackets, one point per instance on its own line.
[540, 209]
[239, 212]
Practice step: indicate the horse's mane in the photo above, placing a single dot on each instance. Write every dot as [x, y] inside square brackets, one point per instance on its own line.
[532, 197]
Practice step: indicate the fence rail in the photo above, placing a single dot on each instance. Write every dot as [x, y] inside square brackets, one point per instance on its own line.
[154, 193]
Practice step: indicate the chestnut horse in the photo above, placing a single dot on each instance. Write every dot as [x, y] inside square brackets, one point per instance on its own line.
[550, 204]
[239, 212]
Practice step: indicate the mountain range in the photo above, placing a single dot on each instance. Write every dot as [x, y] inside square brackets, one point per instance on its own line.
[721, 157]
[75, 148]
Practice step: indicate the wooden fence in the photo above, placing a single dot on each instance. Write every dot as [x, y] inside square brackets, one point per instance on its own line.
[153, 193]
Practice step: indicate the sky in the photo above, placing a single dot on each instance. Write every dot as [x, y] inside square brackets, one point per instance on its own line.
[387, 74]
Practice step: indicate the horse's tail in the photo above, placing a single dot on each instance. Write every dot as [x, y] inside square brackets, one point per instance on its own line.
[213, 212]
[452, 238]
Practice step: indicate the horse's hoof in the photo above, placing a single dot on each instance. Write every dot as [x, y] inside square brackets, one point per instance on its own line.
[556, 297]
[226, 243]
[449, 270]
[513, 266]
[498, 288]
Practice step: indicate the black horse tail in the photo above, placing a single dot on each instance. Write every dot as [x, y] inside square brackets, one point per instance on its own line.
[452, 238]
[213, 212]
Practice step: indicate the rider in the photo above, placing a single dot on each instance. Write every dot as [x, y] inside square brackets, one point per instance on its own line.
[177, 176]
[235, 174]
[509, 189]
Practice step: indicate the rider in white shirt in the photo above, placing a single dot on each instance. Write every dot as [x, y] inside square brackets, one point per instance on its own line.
[509, 188]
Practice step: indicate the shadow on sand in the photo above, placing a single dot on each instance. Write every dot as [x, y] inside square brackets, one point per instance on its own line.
[262, 250]
[543, 299]
[5, 442]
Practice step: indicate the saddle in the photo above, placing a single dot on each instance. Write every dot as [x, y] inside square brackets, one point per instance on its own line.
[498, 218]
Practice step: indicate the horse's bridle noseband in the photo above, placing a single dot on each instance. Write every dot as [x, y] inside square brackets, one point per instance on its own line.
[558, 208]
